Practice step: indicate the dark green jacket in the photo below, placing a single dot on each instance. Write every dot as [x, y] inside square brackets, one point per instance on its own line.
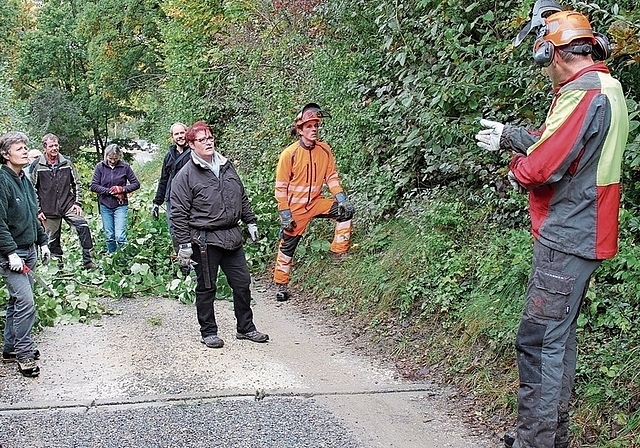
[19, 224]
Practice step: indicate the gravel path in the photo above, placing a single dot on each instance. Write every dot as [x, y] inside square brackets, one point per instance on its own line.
[142, 378]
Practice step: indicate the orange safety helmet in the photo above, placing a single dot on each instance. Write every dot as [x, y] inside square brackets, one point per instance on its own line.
[562, 28]
[310, 112]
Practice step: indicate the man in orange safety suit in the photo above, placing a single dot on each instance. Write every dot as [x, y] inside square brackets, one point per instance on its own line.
[303, 168]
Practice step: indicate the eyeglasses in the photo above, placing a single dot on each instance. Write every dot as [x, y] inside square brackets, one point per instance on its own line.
[204, 140]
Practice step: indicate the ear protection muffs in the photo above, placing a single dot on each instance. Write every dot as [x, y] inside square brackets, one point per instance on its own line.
[543, 53]
[600, 50]
[602, 47]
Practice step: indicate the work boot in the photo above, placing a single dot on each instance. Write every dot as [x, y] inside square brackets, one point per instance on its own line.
[212, 341]
[28, 367]
[87, 259]
[282, 294]
[254, 336]
[509, 440]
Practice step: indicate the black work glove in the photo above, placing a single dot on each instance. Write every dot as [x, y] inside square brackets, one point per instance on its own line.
[286, 220]
[346, 209]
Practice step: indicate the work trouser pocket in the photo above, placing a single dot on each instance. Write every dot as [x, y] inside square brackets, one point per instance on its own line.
[548, 297]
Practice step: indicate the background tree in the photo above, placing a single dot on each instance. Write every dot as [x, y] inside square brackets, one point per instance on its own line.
[84, 65]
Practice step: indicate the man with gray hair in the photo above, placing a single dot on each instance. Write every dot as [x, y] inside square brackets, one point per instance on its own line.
[59, 194]
[20, 232]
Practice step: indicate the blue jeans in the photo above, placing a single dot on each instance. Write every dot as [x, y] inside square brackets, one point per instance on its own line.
[21, 310]
[114, 223]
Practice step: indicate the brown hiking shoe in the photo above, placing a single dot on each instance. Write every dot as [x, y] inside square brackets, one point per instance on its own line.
[28, 367]
[90, 265]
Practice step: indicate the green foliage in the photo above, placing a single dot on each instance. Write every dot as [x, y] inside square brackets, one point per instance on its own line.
[259, 189]
[13, 113]
[81, 65]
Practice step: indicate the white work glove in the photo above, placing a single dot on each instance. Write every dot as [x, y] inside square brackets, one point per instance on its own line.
[489, 139]
[253, 232]
[184, 254]
[515, 184]
[46, 254]
[15, 262]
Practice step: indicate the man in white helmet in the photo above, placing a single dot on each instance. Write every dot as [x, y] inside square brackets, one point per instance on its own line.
[571, 171]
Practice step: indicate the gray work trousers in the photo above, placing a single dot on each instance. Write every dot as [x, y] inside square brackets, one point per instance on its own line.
[21, 310]
[546, 346]
[53, 227]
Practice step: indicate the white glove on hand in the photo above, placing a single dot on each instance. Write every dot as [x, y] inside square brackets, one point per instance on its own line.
[46, 254]
[253, 232]
[184, 254]
[515, 184]
[489, 139]
[15, 262]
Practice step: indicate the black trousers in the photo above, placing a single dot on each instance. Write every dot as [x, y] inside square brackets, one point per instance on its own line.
[234, 265]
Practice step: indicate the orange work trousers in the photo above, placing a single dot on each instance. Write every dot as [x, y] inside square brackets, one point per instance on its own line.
[321, 208]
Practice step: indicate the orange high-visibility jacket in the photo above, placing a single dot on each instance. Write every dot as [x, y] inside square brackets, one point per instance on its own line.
[301, 173]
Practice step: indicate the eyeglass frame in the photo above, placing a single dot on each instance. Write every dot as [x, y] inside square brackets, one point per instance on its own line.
[204, 140]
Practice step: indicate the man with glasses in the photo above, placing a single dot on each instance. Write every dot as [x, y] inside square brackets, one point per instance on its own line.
[207, 202]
